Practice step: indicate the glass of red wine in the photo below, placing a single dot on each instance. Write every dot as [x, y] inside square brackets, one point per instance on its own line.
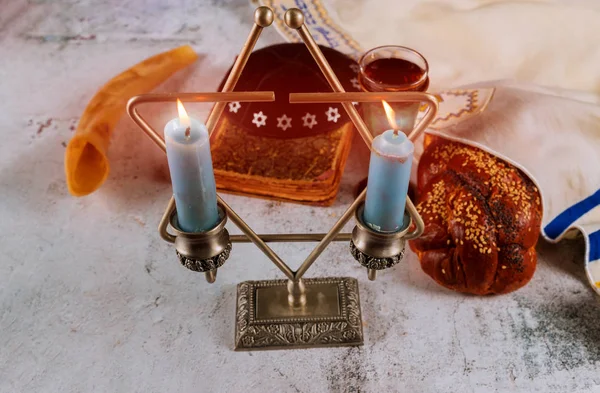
[391, 69]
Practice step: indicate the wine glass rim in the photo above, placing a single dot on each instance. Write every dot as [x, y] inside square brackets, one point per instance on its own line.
[418, 82]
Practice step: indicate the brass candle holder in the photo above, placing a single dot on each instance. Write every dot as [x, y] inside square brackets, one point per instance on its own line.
[293, 312]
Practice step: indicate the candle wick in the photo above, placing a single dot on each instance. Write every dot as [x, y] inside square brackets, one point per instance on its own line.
[187, 132]
[396, 133]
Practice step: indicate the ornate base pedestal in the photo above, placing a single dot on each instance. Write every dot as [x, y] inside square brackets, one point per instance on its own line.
[331, 316]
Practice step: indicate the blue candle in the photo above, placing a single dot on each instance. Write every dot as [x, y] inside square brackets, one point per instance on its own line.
[387, 186]
[192, 176]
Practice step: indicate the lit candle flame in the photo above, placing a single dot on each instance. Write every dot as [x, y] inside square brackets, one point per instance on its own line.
[391, 115]
[184, 119]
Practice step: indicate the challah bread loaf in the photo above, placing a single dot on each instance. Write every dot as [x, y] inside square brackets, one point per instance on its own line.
[482, 219]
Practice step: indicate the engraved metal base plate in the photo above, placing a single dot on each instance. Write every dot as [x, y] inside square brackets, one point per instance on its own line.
[331, 316]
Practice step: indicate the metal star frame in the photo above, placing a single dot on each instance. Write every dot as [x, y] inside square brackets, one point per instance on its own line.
[295, 312]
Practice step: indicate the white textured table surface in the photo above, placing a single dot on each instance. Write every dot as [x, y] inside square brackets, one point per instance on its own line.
[92, 300]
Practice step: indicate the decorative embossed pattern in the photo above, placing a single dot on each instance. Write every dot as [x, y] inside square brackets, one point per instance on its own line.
[374, 263]
[204, 265]
[299, 332]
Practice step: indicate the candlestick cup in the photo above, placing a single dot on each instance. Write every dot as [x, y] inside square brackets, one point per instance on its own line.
[383, 250]
[202, 251]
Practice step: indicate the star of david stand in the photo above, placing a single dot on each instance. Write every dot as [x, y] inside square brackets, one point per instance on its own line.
[293, 312]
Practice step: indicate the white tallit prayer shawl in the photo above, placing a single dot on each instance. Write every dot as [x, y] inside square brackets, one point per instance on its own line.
[547, 124]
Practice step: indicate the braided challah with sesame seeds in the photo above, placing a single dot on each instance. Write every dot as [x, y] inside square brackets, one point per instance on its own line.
[482, 219]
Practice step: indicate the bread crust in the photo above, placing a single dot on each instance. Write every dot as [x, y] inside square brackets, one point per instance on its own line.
[482, 219]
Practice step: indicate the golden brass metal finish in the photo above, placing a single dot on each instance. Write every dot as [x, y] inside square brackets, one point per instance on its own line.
[359, 96]
[258, 242]
[337, 227]
[379, 250]
[263, 16]
[331, 316]
[346, 99]
[372, 274]
[296, 312]
[207, 264]
[294, 18]
[159, 141]
[411, 96]
[221, 98]
[211, 276]
[378, 244]
[292, 237]
[296, 294]
[272, 302]
[165, 220]
[200, 251]
[417, 220]
[134, 102]
[201, 245]
[213, 96]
